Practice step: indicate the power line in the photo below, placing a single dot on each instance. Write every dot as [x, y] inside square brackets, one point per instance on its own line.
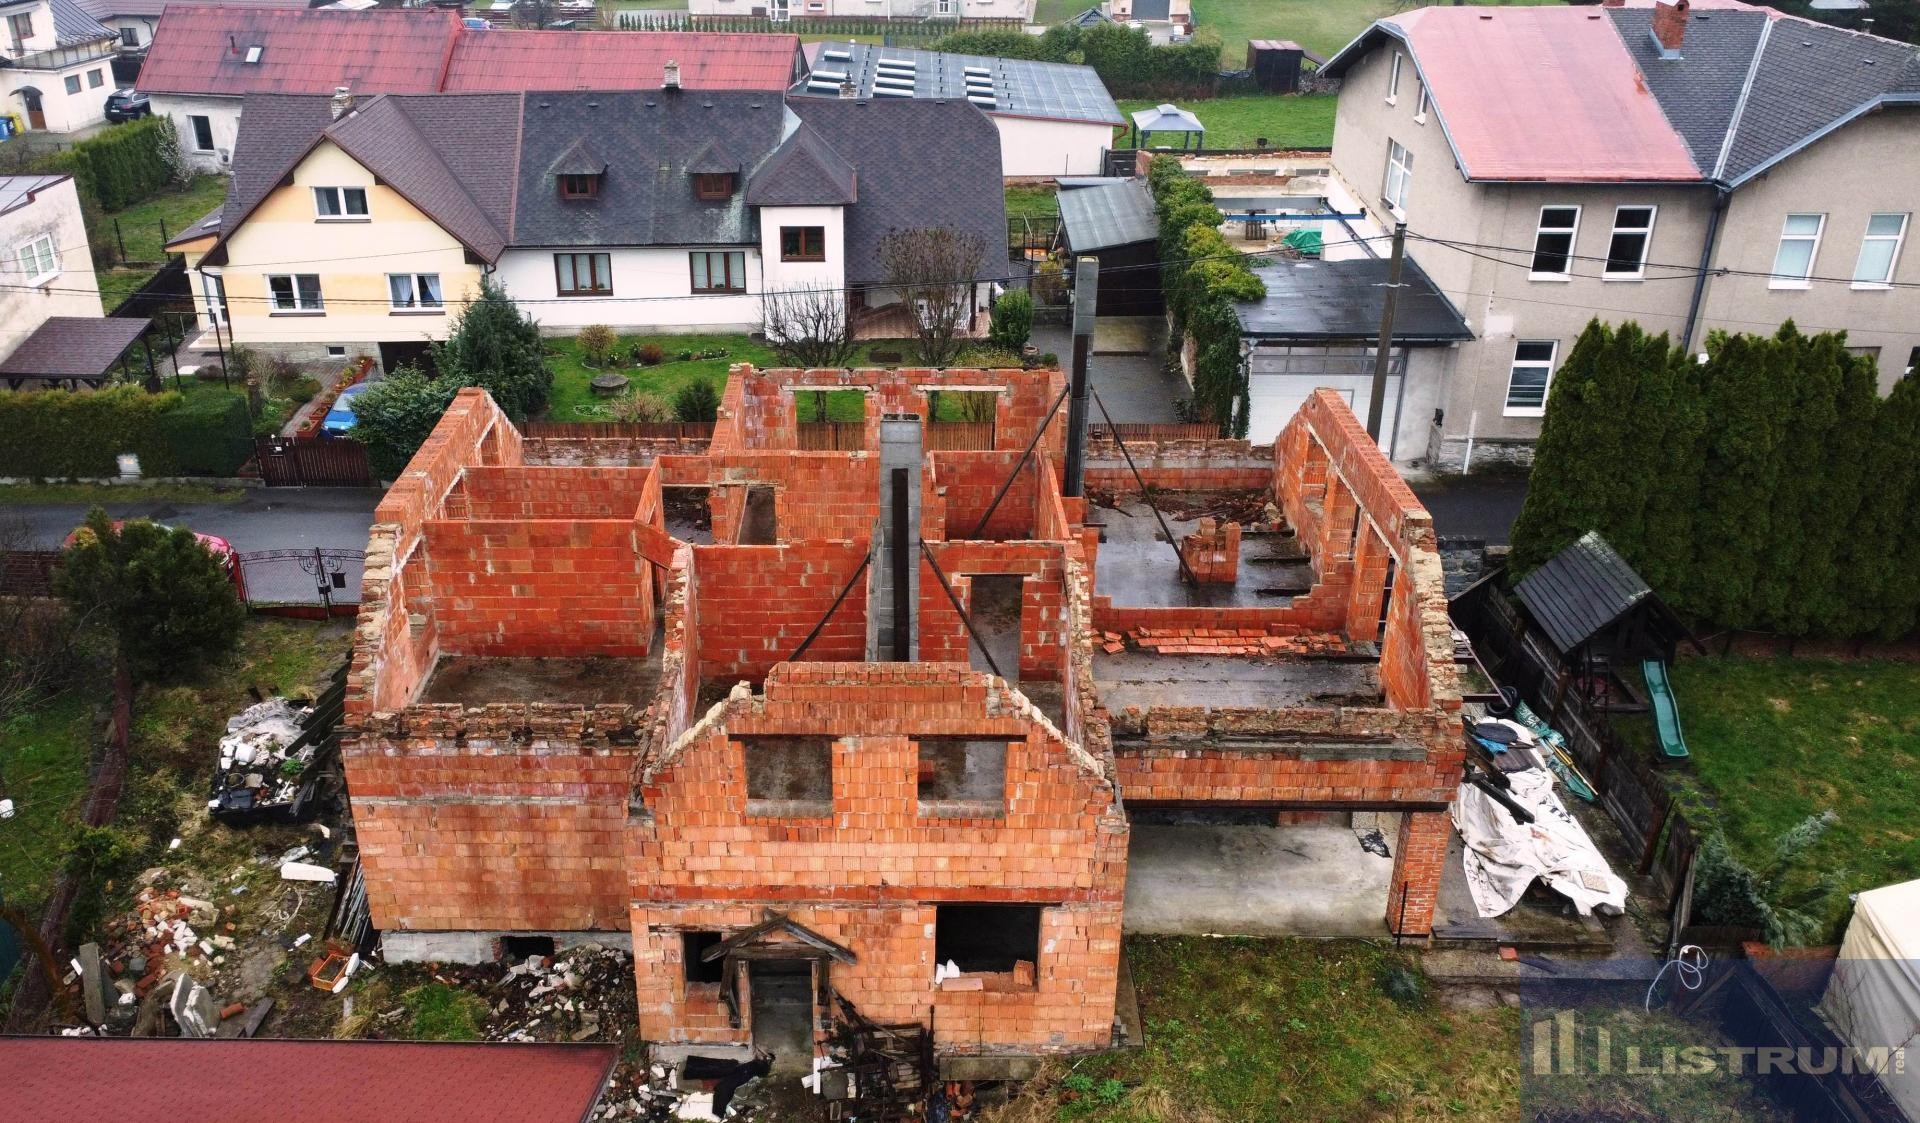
[1676, 272]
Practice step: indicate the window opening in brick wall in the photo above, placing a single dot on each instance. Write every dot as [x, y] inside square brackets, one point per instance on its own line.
[789, 777]
[987, 938]
[516, 949]
[760, 525]
[994, 606]
[693, 945]
[963, 777]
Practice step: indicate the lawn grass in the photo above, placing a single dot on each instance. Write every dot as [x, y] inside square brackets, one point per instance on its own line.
[86, 495]
[1290, 121]
[443, 1013]
[44, 754]
[1241, 1029]
[141, 233]
[1046, 13]
[1039, 202]
[1321, 26]
[1775, 741]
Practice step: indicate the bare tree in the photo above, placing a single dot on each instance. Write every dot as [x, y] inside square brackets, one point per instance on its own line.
[809, 327]
[39, 649]
[536, 14]
[933, 267]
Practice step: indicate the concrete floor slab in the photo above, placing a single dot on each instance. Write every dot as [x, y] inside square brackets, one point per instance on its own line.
[478, 680]
[1304, 880]
[1138, 568]
[1144, 679]
[1134, 387]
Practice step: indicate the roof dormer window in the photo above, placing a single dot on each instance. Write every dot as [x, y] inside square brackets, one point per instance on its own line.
[579, 186]
[713, 186]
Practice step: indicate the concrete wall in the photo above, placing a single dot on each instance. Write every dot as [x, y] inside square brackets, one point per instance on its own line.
[652, 291]
[222, 114]
[73, 291]
[1033, 147]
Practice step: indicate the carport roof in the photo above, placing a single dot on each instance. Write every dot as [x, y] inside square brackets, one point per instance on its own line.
[1112, 214]
[1323, 301]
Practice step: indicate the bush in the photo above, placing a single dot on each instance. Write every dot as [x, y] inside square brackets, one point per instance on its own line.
[1012, 320]
[649, 355]
[988, 358]
[208, 434]
[497, 347]
[394, 417]
[123, 164]
[54, 434]
[644, 409]
[597, 342]
[1204, 277]
[697, 401]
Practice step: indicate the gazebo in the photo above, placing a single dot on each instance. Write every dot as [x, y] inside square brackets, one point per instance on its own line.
[1167, 118]
[72, 352]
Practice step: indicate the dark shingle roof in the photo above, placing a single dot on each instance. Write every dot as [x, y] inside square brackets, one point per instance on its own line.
[443, 155]
[1698, 92]
[72, 347]
[920, 163]
[649, 139]
[806, 171]
[1581, 590]
[275, 130]
[1107, 215]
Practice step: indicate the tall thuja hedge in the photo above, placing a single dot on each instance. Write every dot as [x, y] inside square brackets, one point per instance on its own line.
[1203, 276]
[57, 435]
[1126, 60]
[124, 164]
[1765, 488]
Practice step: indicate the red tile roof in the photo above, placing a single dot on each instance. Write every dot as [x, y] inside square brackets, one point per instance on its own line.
[198, 50]
[499, 59]
[202, 50]
[242, 1081]
[1539, 94]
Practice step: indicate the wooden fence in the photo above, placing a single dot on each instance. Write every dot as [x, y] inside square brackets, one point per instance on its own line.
[323, 462]
[959, 436]
[1153, 431]
[27, 573]
[832, 436]
[621, 430]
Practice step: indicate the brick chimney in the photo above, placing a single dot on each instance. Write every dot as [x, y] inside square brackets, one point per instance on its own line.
[1613, 3]
[672, 79]
[341, 103]
[1670, 27]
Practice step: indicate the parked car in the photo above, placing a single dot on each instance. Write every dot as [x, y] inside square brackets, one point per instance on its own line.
[221, 549]
[125, 105]
[339, 419]
[475, 23]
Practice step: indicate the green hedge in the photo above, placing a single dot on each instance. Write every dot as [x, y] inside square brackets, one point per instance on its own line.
[122, 165]
[1128, 63]
[56, 435]
[1203, 277]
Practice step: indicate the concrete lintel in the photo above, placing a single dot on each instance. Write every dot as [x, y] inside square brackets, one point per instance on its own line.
[406, 946]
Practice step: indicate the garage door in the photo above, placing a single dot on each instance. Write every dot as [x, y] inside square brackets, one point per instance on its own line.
[1283, 377]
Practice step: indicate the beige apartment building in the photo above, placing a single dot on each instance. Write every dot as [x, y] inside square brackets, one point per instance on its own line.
[1691, 167]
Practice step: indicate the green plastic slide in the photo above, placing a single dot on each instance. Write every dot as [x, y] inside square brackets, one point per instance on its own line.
[1666, 712]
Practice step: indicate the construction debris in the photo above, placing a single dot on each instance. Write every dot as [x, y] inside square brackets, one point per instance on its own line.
[274, 757]
[1225, 641]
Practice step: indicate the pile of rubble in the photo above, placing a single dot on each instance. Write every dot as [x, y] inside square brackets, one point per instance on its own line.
[164, 923]
[1224, 641]
[585, 993]
[263, 757]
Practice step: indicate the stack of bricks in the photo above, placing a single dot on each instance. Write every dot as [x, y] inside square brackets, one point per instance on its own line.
[1227, 641]
[1212, 552]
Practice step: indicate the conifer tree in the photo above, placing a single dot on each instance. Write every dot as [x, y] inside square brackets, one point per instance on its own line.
[1562, 503]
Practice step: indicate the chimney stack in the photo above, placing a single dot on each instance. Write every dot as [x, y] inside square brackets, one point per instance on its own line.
[672, 79]
[342, 102]
[1613, 3]
[848, 91]
[1670, 27]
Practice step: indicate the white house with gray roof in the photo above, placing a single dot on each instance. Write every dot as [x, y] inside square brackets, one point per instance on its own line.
[56, 65]
[1693, 167]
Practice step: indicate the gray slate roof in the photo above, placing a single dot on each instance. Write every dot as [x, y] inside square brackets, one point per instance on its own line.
[1323, 301]
[1752, 87]
[72, 25]
[73, 347]
[1050, 90]
[806, 171]
[1108, 215]
[1581, 590]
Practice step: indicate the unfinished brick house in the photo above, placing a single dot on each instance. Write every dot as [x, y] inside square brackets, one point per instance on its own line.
[819, 730]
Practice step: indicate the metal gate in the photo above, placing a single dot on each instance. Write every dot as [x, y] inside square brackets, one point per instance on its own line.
[323, 462]
[326, 580]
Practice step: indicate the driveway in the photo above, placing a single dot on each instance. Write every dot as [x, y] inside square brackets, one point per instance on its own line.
[1132, 384]
[1481, 507]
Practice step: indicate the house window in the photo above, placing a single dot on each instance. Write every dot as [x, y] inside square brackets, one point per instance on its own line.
[583, 274]
[579, 186]
[962, 777]
[94, 80]
[335, 351]
[340, 202]
[1879, 250]
[22, 28]
[202, 132]
[1632, 235]
[415, 292]
[1553, 243]
[73, 83]
[803, 243]
[1799, 245]
[129, 37]
[1527, 382]
[38, 260]
[789, 777]
[1393, 80]
[986, 938]
[1421, 103]
[296, 292]
[1399, 178]
[718, 271]
[713, 185]
[694, 945]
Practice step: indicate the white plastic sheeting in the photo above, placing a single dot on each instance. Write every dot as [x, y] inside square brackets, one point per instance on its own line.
[1503, 857]
[1873, 997]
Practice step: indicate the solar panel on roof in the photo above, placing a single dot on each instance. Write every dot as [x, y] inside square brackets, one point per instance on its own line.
[831, 75]
[897, 64]
[985, 101]
[889, 80]
[837, 56]
[889, 91]
[817, 84]
[977, 70]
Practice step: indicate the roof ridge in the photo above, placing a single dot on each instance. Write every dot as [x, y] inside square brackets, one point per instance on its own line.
[397, 110]
[1719, 169]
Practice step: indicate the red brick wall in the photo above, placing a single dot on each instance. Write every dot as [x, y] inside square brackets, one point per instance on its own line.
[968, 481]
[756, 603]
[523, 588]
[1178, 466]
[554, 493]
[1043, 607]
[867, 875]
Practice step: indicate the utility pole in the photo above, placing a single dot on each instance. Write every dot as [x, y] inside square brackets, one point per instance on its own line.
[1086, 292]
[1377, 399]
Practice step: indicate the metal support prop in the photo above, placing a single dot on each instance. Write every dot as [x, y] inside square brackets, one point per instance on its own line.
[1146, 492]
[954, 599]
[835, 607]
[1021, 463]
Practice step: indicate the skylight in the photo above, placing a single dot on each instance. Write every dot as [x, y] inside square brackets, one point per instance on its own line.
[253, 53]
[891, 91]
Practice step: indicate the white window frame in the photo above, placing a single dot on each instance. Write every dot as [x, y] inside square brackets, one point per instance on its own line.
[340, 197]
[1893, 259]
[1400, 157]
[1546, 387]
[95, 79]
[1393, 79]
[39, 258]
[1778, 280]
[300, 305]
[1421, 102]
[1639, 271]
[195, 130]
[416, 304]
[1541, 230]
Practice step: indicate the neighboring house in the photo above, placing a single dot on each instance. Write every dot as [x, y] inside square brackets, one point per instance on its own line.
[1694, 169]
[1175, 13]
[56, 65]
[135, 21]
[360, 228]
[1054, 118]
[204, 60]
[47, 262]
[957, 10]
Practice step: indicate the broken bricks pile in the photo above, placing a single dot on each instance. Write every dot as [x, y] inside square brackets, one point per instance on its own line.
[164, 923]
[584, 993]
[1223, 641]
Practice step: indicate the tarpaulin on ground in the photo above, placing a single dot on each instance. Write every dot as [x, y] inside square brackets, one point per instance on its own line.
[1873, 997]
[1503, 857]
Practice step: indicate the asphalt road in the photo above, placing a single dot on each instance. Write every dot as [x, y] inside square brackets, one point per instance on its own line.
[1474, 506]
